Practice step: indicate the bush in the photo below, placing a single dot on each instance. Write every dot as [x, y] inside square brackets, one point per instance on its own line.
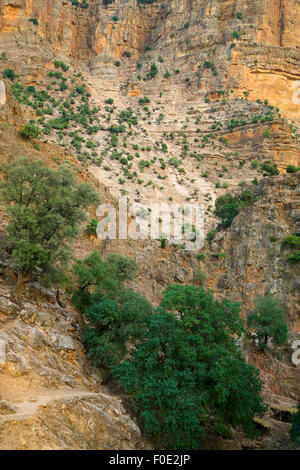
[269, 168]
[112, 324]
[153, 71]
[92, 227]
[268, 320]
[236, 35]
[95, 276]
[291, 169]
[30, 131]
[9, 73]
[292, 240]
[294, 257]
[34, 21]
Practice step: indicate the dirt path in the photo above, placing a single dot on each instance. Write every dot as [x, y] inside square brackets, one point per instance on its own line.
[29, 408]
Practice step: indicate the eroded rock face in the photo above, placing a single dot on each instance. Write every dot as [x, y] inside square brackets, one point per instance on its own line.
[215, 58]
[50, 396]
[264, 62]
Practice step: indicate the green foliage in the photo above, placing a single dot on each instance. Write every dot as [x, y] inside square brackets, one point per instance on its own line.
[295, 429]
[30, 131]
[153, 71]
[269, 169]
[44, 208]
[236, 35]
[294, 257]
[163, 242]
[80, 90]
[92, 227]
[144, 100]
[94, 277]
[268, 320]
[34, 21]
[292, 240]
[227, 207]
[291, 169]
[112, 323]
[9, 73]
[187, 375]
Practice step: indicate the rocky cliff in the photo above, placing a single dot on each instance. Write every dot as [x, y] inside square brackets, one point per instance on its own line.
[176, 101]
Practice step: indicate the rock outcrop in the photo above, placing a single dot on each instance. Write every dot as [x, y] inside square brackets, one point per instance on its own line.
[50, 396]
[204, 92]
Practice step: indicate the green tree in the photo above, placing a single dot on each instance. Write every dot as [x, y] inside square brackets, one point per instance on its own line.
[227, 207]
[187, 375]
[268, 320]
[114, 323]
[295, 429]
[44, 208]
[94, 277]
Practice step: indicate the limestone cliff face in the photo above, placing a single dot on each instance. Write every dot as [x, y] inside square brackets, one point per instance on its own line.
[264, 61]
[224, 94]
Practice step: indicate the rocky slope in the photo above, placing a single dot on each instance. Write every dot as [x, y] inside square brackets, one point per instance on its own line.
[50, 396]
[176, 101]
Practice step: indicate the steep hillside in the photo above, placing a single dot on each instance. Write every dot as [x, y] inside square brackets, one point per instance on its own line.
[165, 101]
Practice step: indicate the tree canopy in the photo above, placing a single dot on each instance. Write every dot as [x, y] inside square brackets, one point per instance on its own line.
[180, 363]
[44, 209]
[268, 320]
[95, 277]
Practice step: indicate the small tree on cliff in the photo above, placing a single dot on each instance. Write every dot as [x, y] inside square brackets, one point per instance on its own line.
[268, 320]
[44, 208]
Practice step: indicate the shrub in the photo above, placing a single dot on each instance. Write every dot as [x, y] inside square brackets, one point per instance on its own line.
[34, 21]
[30, 131]
[9, 73]
[294, 257]
[292, 240]
[92, 227]
[291, 169]
[236, 35]
[269, 168]
[153, 71]
[95, 277]
[112, 324]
